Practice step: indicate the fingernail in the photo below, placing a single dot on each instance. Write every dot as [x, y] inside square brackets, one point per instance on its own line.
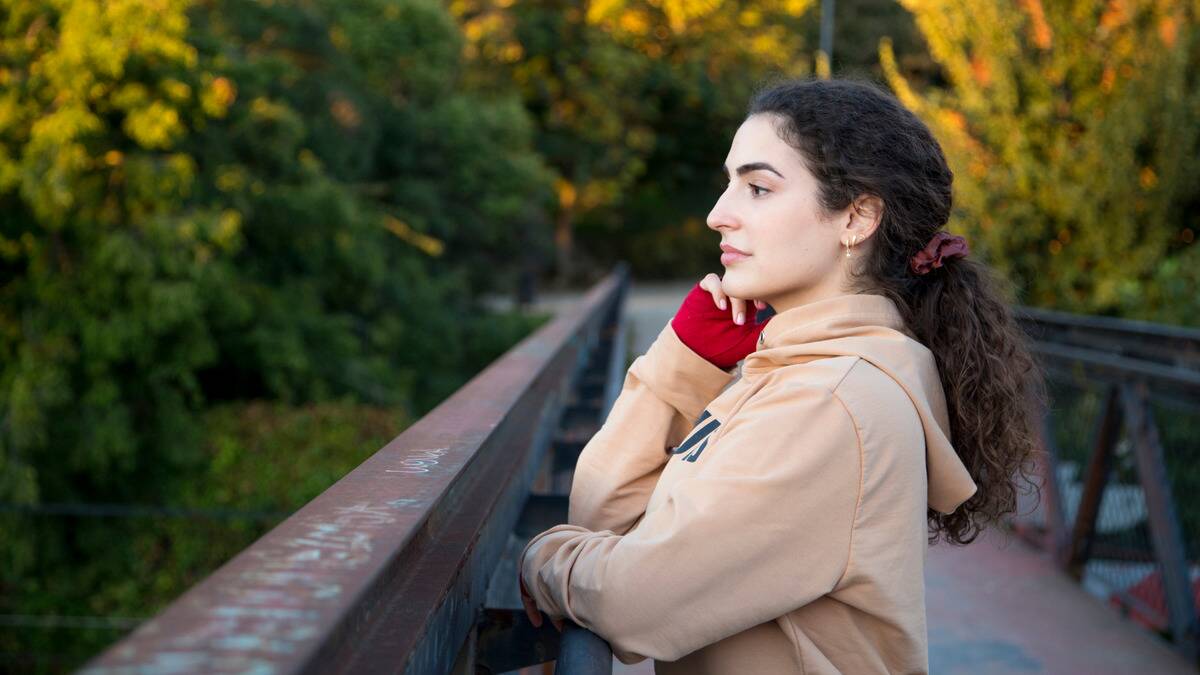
[741, 318]
[721, 303]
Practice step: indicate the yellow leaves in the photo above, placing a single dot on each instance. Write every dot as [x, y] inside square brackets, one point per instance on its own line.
[600, 11]
[179, 175]
[1039, 31]
[476, 29]
[511, 52]
[765, 44]
[229, 225]
[155, 126]
[429, 245]
[981, 70]
[131, 95]
[217, 95]
[114, 158]
[230, 178]
[1114, 15]
[566, 193]
[1107, 78]
[1168, 30]
[891, 72]
[64, 125]
[750, 18]
[680, 12]
[796, 7]
[176, 91]
[634, 22]
[1147, 178]
[266, 110]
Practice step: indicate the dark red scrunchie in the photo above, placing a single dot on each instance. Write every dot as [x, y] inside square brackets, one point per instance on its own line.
[943, 245]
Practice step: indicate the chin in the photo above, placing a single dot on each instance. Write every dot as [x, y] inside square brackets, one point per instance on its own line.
[740, 285]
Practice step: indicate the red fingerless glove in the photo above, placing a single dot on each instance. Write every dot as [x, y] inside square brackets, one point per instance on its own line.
[710, 331]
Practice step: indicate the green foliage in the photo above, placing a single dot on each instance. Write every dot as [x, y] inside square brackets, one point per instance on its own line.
[207, 203]
[260, 459]
[634, 103]
[234, 200]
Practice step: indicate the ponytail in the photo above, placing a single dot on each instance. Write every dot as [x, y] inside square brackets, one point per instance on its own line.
[993, 388]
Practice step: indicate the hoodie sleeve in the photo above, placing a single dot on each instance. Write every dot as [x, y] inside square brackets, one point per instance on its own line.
[761, 528]
[664, 391]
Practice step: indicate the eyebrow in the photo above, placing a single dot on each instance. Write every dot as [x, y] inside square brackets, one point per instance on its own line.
[752, 166]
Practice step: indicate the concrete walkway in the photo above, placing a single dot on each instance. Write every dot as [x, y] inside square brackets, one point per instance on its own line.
[996, 606]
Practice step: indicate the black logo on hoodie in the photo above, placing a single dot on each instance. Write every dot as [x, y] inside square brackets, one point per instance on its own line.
[698, 438]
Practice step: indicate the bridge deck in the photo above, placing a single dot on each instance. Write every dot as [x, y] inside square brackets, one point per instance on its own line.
[997, 606]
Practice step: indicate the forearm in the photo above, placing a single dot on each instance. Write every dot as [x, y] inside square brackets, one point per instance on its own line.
[663, 393]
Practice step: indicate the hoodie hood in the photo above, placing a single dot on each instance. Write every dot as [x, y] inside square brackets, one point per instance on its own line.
[871, 327]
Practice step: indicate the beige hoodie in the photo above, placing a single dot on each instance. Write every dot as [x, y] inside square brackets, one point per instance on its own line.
[775, 526]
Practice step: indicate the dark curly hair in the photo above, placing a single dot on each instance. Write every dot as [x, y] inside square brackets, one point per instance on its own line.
[857, 139]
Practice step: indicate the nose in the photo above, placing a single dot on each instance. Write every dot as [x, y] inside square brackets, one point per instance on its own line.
[721, 216]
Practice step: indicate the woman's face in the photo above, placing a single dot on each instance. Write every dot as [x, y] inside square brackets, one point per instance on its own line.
[794, 253]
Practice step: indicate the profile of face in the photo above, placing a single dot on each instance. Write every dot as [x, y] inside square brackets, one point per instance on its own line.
[792, 253]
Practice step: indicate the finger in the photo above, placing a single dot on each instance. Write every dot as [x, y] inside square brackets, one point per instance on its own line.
[739, 311]
[759, 304]
[712, 283]
[531, 610]
[558, 623]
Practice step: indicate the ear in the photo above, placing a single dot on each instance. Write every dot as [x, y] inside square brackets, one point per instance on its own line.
[863, 217]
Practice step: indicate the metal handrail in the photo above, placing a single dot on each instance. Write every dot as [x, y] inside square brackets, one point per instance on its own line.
[1142, 340]
[388, 568]
[1134, 361]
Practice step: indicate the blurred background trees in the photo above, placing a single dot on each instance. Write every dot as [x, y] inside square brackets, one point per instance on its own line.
[207, 204]
[1072, 130]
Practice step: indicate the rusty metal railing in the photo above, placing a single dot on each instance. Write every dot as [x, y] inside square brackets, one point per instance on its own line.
[1120, 507]
[392, 568]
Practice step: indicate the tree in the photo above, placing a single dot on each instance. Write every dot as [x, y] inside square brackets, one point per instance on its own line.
[630, 98]
[1072, 131]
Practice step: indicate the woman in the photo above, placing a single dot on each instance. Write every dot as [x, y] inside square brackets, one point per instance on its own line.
[778, 523]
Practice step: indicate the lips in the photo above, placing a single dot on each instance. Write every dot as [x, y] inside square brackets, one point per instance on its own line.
[732, 255]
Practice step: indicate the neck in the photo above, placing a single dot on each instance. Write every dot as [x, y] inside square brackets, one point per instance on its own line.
[797, 297]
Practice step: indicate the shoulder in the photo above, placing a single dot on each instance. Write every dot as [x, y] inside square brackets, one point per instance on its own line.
[823, 373]
[864, 391]
[796, 396]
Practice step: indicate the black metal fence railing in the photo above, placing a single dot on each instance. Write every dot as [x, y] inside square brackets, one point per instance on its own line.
[1120, 508]
[406, 563]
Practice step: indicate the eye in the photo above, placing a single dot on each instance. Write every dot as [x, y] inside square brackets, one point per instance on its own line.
[755, 190]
